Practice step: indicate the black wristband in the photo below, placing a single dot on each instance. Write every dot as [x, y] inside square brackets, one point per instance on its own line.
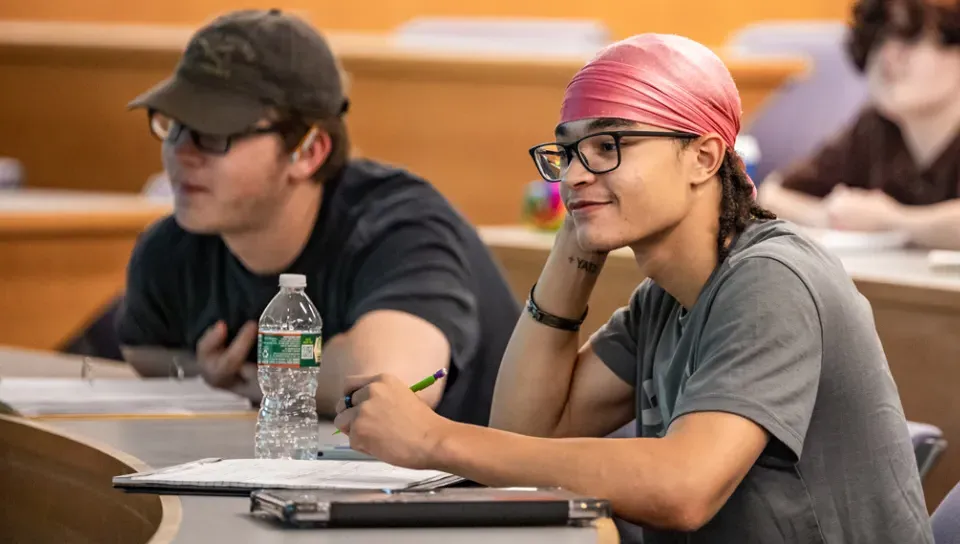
[551, 320]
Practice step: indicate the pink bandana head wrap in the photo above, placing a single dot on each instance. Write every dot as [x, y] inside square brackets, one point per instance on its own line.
[657, 79]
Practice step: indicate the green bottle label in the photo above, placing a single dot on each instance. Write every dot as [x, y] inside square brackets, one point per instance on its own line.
[288, 350]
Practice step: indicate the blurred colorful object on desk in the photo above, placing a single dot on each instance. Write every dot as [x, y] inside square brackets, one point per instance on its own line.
[542, 206]
[11, 173]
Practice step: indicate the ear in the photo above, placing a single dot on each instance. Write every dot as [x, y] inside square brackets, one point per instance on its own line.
[310, 154]
[709, 151]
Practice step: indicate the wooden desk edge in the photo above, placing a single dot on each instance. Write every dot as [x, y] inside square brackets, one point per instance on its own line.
[359, 51]
[527, 239]
[76, 223]
[172, 510]
[250, 414]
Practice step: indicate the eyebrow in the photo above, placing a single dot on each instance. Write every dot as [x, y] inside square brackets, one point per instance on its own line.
[597, 124]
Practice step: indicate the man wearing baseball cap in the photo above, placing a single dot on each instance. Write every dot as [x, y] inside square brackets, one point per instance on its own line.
[765, 410]
[258, 155]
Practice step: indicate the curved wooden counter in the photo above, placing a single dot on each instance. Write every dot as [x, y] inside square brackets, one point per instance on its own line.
[163, 442]
[29, 363]
[61, 471]
[55, 487]
[463, 121]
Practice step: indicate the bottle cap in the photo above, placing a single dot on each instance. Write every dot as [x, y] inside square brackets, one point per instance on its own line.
[293, 280]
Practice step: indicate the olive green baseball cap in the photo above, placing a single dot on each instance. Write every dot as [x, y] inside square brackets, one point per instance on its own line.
[244, 64]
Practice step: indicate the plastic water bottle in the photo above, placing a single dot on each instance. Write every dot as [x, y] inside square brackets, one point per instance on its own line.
[288, 360]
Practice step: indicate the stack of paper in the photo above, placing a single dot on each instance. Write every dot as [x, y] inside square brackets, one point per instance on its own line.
[848, 240]
[943, 260]
[71, 396]
[246, 475]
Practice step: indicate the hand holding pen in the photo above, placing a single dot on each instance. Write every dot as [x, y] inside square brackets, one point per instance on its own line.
[395, 426]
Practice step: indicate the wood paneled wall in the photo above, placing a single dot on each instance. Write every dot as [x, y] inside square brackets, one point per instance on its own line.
[462, 121]
[708, 21]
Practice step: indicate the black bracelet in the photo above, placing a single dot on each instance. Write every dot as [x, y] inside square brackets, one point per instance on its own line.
[551, 320]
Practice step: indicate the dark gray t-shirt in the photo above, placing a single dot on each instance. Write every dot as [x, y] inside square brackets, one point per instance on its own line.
[781, 336]
[383, 239]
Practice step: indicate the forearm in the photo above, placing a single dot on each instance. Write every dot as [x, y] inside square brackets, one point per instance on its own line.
[790, 205]
[643, 480]
[536, 371]
[334, 367]
[935, 226]
[382, 342]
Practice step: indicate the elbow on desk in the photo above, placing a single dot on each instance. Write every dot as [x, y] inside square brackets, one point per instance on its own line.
[681, 518]
[690, 517]
[679, 506]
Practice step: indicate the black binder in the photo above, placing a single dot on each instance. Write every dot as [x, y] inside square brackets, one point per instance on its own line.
[449, 507]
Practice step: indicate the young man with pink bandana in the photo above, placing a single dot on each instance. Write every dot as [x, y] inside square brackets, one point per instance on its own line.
[765, 409]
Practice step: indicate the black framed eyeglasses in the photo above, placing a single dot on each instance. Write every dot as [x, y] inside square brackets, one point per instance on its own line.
[165, 128]
[599, 152]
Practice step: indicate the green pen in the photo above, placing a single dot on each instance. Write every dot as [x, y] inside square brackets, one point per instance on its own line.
[419, 386]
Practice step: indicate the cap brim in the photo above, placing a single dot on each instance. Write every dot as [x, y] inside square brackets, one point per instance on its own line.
[201, 108]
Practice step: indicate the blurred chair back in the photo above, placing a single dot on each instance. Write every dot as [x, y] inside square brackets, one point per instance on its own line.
[795, 121]
[11, 173]
[946, 519]
[99, 338]
[504, 36]
[928, 444]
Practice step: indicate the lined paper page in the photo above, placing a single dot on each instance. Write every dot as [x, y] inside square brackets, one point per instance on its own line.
[48, 396]
[289, 474]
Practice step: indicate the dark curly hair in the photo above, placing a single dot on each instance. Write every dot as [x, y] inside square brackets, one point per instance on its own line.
[737, 205]
[738, 208]
[872, 23]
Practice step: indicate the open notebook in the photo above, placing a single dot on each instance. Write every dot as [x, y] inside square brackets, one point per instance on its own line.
[33, 397]
[242, 476]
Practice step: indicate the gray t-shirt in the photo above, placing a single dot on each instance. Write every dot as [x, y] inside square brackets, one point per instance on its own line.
[781, 336]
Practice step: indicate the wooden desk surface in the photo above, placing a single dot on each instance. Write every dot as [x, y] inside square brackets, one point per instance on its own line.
[906, 268]
[165, 442]
[380, 51]
[463, 121]
[56, 488]
[27, 363]
[703, 20]
[159, 442]
[56, 212]
[916, 309]
[27, 202]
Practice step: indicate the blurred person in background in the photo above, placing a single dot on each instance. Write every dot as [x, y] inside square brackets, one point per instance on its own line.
[897, 168]
[258, 157]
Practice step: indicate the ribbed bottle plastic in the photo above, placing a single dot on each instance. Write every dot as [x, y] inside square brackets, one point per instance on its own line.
[288, 360]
